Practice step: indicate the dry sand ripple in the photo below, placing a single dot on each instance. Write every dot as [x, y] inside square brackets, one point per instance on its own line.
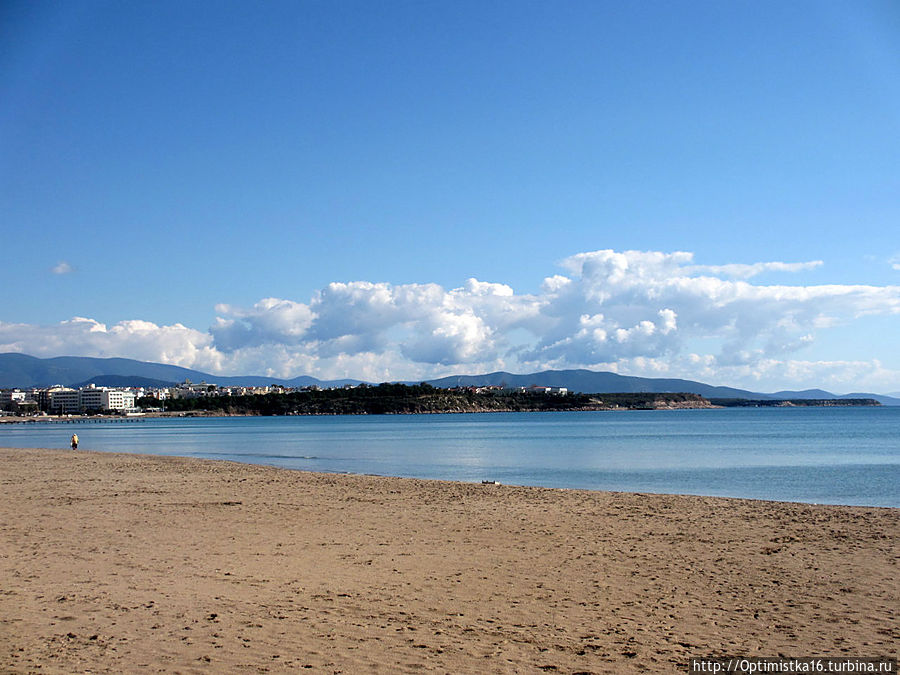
[133, 563]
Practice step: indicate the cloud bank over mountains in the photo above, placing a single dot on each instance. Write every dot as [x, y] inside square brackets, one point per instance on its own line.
[634, 312]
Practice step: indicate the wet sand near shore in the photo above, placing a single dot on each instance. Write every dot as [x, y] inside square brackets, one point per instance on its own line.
[115, 563]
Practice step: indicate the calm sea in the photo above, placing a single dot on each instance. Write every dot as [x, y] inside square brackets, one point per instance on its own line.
[820, 455]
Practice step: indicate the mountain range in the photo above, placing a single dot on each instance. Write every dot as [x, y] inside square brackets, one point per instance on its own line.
[21, 370]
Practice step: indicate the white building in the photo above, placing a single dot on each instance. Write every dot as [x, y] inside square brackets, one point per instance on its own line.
[190, 390]
[64, 400]
[103, 398]
[116, 399]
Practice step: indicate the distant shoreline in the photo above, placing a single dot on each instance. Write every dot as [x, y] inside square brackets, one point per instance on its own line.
[701, 404]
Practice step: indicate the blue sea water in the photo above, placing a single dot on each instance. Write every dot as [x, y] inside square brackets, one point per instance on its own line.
[818, 455]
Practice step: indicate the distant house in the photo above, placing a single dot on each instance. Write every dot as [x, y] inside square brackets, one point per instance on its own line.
[16, 400]
[536, 389]
[7, 396]
[188, 389]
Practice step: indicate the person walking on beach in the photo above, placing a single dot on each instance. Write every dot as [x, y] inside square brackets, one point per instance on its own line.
[74, 441]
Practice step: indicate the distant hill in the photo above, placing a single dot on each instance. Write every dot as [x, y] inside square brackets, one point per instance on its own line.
[806, 393]
[821, 394]
[21, 370]
[589, 381]
[125, 381]
[881, 398]
[423, 398]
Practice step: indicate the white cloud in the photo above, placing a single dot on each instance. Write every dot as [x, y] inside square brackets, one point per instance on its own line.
[62, 267]
[624, 293]
[635, 312]
[269, 321]
[741, 271]
[175, 344]
[762, 374]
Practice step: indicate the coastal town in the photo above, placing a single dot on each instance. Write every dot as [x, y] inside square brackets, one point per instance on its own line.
[60, 400]
[93, 399]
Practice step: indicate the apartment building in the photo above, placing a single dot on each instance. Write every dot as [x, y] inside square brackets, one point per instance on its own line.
[63, 400]
[89, 399]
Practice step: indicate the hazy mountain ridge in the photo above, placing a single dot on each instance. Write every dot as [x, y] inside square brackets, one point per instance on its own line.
[124, 381]
[589, 381]
[21, 370]
[884, 399]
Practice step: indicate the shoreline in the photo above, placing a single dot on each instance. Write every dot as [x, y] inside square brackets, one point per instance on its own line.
[76, 419]
[146, 563]
[813, 498]
[79, 418]
[448, 481]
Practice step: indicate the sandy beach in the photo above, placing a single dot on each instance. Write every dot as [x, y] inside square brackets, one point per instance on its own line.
[131, 563]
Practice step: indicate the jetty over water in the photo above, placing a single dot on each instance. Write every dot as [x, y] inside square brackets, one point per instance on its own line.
[71, 420]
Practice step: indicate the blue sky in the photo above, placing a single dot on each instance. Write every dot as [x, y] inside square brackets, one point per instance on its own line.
[309, 187]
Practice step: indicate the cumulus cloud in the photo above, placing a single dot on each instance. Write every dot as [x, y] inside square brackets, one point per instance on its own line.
[635, 312]
[424, 323]
[79, 336]
[62, 267]
[269, 321]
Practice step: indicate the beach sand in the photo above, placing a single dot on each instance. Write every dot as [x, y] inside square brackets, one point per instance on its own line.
[133, 563]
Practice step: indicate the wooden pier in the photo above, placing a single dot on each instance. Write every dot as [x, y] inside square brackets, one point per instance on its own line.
[70, 420]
